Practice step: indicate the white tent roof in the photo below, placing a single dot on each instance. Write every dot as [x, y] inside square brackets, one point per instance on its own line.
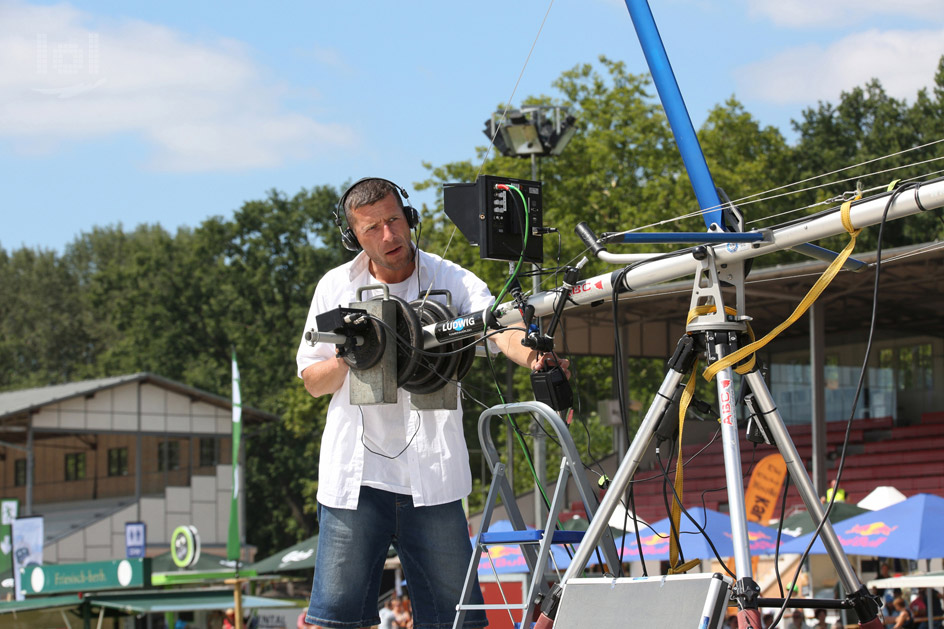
[623, 516]
[881, 497]
[929, 580]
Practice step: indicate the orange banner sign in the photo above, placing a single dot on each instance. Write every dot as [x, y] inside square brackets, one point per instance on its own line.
[764, 488]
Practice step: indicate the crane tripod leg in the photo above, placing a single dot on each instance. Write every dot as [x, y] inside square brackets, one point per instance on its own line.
[745, 591]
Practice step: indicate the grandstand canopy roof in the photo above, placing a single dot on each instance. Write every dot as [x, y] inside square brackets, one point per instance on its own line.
[911, 303]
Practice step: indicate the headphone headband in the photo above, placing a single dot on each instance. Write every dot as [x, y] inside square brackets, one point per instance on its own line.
[348, 239]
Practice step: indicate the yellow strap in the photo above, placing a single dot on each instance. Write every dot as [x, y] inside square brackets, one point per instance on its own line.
[685, 567]
[676, 514]
[831, 271]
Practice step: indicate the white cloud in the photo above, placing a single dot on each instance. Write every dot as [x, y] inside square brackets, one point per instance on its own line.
[199, 105]
[841, 12]
[903, 61]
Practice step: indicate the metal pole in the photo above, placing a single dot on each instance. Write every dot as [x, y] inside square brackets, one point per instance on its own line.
[675, 110]
[732, 468]
[623, 476]
[138, 465]
[818, 395]
[540, 442]
[802, 480]
[29, 468]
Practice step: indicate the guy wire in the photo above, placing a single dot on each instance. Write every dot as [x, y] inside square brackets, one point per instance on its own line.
[750, 199]
[491, 141]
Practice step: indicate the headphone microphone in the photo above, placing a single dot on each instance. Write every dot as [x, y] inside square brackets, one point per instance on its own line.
[348, 239]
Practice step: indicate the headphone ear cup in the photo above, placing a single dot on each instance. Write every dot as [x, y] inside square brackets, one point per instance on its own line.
[349, 240]
[412, 216]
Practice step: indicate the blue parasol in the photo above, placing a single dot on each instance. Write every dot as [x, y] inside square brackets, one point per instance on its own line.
[907, 530]
[655, 539]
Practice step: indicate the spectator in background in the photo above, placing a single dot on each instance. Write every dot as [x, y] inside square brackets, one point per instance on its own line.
[402, 616]
[387, 616]
[903, 618]
[820, 616]
[797, 620]
[767, 620]
[833, 489]
[919, 607]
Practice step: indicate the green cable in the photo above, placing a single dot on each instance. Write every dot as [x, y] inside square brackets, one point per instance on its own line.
[504, 291]
[524, 245]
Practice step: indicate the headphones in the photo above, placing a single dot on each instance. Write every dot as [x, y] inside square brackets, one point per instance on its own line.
[348, 239]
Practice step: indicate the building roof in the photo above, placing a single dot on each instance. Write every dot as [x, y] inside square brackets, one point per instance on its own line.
[63, 519]
[14, 403]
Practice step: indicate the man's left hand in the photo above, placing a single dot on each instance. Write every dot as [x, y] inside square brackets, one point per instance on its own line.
[548, 360]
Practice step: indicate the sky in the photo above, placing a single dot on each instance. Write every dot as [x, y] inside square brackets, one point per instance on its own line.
[115, 112]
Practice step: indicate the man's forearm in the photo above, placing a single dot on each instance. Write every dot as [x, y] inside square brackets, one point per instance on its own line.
[325, 377]
[510, 344]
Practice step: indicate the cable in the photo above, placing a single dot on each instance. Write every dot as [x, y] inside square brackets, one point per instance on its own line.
[855, 400]
[783, 513]
[751, 199]
[524, 240]
[419, 423]
[491, 141]
[698, 526]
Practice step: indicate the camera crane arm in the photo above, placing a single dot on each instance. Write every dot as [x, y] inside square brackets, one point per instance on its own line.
[656, 269]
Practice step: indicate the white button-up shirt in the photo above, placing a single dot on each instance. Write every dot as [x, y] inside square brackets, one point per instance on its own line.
[390, 446]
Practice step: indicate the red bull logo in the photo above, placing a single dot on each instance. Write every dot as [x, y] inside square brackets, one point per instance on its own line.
[760, 541]
[654, 540]
[496, 552]
[868, 535]
[502, 558]
[649, 544]
[873, 528]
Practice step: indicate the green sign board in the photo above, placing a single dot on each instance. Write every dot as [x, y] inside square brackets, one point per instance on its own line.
[8, 513]
[85, 577]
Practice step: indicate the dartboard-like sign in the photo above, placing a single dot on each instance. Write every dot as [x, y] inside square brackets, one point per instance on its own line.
[185, 546]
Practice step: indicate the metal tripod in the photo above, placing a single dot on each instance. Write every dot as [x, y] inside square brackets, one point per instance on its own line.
[716, 333]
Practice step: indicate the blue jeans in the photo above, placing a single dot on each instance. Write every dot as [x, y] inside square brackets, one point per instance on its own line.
[434, 548]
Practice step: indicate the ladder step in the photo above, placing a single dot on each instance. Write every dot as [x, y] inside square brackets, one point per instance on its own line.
[529, 536]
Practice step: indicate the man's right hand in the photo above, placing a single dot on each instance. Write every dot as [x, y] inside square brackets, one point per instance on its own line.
[325, 377]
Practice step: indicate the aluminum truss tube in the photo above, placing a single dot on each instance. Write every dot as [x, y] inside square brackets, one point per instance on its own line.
[623, 476]
[802, 480]
[600, 287]
[732, 469]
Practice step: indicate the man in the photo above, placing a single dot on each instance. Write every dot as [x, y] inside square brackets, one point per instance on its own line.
[389, 474]
[833, 489]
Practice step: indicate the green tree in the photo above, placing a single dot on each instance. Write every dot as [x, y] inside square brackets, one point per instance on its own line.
[43, 334]
[867, 125]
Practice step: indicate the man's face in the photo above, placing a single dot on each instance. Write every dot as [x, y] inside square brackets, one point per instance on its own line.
[797, 618]
[384, 234]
